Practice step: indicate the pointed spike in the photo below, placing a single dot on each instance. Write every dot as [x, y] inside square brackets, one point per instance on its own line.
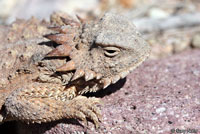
[60, 38]
[132, 68]
[124, 74]
[69, 66]
[94, 88]
[115, 79]
[63, 29]
[78, 74]
[58, 29]
[80, 19]
[67, 30]
[60, 51]
[39, 122]
[89, 75]
[106, 82]
[70, 22]
[85, 90]
[98, 76]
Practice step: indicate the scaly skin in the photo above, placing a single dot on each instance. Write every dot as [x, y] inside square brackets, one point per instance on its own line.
[90, 57]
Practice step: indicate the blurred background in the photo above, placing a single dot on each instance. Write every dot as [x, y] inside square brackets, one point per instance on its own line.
[170, 26]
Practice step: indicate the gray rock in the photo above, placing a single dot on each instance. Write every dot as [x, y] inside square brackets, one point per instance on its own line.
[196, 41]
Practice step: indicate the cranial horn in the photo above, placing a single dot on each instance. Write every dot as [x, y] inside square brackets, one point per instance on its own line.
[63, 29]
[80, 19]
[60, 38]
[70, 22]
[58, 29]
[60, 51]
[69, 66]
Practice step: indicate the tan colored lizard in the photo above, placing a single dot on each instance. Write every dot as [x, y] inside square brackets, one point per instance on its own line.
[90, 57]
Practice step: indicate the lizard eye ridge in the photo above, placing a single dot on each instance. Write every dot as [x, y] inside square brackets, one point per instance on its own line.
[111, 51]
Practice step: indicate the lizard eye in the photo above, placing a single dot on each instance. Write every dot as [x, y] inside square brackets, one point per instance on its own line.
[111, 51]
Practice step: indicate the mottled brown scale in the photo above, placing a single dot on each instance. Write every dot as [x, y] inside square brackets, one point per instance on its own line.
[89, 57]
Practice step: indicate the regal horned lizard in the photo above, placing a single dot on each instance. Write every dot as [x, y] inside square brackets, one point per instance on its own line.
[89, 57]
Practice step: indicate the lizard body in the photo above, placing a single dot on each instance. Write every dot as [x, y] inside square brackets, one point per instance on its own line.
[89, 57]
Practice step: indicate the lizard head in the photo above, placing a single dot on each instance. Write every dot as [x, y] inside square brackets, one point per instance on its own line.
[100, 52]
